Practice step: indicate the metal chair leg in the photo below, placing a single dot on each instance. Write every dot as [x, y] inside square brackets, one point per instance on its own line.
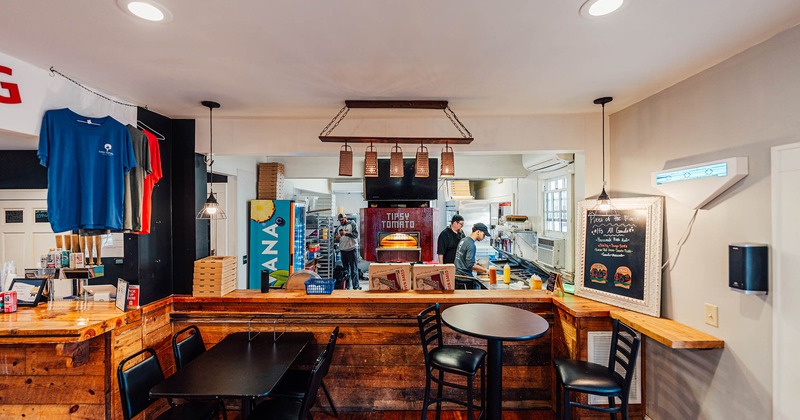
[567, 410]
[470, 399]
[558, 399]
[426, 397]
[439, 396]
[612, 404]
[330, 400]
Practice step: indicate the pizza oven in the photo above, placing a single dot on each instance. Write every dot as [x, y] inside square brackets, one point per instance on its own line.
[398, 247]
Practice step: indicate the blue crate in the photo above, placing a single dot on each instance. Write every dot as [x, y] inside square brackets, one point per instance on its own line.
[319, 286]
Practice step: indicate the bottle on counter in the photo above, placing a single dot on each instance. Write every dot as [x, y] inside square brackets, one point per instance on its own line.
[506, 274]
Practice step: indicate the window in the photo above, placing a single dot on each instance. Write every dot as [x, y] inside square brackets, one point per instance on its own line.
[556, 204]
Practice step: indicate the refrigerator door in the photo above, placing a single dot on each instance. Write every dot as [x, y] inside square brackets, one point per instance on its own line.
[272, 241]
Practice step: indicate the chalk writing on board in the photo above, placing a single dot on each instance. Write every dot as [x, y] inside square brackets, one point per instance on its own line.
[615, 252]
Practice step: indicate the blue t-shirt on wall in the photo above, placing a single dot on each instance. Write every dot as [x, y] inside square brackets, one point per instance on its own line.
[86, 165]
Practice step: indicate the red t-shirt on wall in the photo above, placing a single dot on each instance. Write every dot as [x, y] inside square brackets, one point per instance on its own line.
[150, 181]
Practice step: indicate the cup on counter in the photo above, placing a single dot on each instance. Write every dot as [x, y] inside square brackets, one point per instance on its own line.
[492, 275]
[537, 284]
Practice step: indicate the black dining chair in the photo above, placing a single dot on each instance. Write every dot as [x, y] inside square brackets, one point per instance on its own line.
[289, 408]
[294, 382]
[596, 379]
[456, 360]
[134, 390]
[188, 349]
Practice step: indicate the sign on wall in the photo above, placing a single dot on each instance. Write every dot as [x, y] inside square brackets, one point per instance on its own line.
[27, 91]
[620, 253]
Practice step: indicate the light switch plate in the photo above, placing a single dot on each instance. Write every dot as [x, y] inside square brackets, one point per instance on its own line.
[712, 315]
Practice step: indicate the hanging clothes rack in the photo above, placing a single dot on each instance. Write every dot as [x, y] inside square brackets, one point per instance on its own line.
[142, 126]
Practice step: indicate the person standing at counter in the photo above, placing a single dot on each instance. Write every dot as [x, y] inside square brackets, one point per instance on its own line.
[347, 236]
[465, 252]
[449, 239]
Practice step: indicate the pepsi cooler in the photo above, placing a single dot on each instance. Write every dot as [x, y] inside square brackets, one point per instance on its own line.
[748, 268]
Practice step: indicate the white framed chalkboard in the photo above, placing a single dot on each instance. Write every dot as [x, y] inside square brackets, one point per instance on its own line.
[620, 253]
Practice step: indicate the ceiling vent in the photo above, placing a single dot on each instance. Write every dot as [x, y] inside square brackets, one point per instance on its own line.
[547, 162]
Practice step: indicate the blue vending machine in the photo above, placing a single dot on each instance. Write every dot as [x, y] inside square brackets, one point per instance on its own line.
[277, 240]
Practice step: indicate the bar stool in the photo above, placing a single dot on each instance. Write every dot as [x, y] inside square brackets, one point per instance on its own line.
[596, 379]
[457, 360]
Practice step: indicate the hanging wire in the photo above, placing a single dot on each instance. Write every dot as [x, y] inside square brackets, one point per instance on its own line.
[53, 72]
[335, 121]
[457, 123]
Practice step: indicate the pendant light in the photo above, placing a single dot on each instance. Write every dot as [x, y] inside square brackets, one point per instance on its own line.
[448, 169]
[371, 162]
[421, 169]
[346, 160]
[603, 200]
[396, 162]
[211, 210]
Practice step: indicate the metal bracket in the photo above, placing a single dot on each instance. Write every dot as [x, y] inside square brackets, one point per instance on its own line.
[275, 335]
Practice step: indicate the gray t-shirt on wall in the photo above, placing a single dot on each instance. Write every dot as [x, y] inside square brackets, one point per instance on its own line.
[465, 256]
[134, 180]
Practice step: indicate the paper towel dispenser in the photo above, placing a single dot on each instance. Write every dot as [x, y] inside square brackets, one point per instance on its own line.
[748, 268]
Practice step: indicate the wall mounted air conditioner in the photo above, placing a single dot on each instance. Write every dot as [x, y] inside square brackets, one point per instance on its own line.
[550, 251]
[547, 162]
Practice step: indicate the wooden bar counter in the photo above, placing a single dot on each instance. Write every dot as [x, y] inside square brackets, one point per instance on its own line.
[59, 360]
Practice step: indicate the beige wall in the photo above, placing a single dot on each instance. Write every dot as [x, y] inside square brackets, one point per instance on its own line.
[740, 107]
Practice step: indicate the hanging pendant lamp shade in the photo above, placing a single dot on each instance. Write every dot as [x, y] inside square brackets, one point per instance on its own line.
[371, 162]
[396, 162]
[603, 200]
[211, 209]
[346, 161]
[448, 169]
[421, 169]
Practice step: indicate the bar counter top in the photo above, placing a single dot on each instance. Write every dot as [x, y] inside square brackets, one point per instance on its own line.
[64, 322]
[78, 321]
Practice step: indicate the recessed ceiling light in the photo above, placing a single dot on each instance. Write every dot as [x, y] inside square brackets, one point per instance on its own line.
[597, 8]
[146, 9]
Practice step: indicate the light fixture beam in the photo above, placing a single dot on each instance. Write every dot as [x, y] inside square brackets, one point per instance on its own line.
[393, 140]
[393, 104]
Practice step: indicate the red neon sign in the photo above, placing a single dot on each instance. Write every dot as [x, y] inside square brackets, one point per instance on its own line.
[12, 88]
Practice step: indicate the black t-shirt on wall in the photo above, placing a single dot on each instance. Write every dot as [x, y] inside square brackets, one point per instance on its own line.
[447, 244]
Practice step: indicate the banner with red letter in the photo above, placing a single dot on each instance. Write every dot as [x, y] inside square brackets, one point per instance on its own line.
[27, 91]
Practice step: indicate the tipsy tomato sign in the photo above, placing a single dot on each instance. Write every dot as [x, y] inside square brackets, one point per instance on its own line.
[9, 92]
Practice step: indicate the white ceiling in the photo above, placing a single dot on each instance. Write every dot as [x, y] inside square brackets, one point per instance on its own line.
[267, 59]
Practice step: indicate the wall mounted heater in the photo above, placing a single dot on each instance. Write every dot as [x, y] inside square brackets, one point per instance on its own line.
[696, 185]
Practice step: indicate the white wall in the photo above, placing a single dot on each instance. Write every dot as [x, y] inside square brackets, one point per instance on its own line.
[740, 107]
[244, 168]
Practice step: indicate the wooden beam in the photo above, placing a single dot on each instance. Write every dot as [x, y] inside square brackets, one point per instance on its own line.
[393, 140]
[397, 104]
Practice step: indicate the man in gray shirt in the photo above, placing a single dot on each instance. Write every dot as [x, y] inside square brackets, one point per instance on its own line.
[347, 236]
[465, 252]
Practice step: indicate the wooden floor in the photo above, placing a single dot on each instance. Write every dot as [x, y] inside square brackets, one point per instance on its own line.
[415, 415]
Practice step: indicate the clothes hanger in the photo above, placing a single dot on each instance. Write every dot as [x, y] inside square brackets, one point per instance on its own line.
[142, 125]
[88, 121]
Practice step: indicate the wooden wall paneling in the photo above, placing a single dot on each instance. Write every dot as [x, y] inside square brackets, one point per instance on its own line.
[378, 363]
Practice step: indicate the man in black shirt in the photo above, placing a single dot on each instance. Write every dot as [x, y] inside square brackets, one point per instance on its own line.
[448, 240]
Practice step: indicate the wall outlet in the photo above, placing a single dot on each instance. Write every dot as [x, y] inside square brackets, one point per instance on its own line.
[712, 315]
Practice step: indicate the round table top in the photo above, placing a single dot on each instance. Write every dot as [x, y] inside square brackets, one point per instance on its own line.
[497, 322]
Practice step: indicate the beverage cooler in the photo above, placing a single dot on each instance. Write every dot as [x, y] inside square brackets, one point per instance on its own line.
[277, 240]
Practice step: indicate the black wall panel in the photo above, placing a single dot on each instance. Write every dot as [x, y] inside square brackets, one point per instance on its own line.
[20, 169]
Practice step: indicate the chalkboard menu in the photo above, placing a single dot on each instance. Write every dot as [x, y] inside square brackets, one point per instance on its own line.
[615, 252]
